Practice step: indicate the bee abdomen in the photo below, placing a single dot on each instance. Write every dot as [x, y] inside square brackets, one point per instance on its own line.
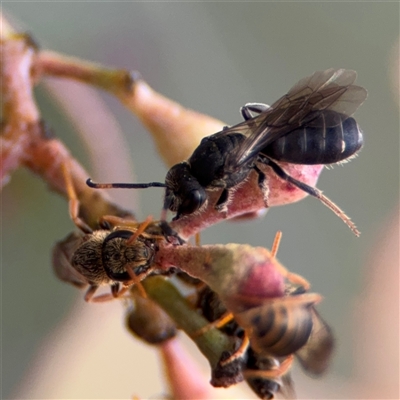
[280, 330]
[318, 145]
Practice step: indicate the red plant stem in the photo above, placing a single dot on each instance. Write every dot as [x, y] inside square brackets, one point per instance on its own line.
[26, 141]
[248, 198]
[175, 129]
[235, 272]
[184, 379]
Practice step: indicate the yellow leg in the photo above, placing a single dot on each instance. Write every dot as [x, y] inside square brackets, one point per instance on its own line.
[73, 203]
[142, 227]
[239, 352]
[219, 323]
[274, 372]
[275, 245]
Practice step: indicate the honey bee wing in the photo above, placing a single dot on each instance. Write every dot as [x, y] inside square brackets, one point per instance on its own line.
[315, 356]
[330, 90]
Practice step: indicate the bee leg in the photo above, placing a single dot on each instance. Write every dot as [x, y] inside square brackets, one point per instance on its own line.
[137, 281]
[177, 216]
[275, 245]
[141, 228]
[168, 232]
[101, 298]
[108, 221]
[219, 323]
[239, 353]
[73, 202]
[246, 114]
[90, 292]
[293, 277]
[249, 109]
[303, 300]
[115, 293]
[272, 373]
[115, 289]
[262, 184]
[298, 280]
[222, 203]
[313, 192]
[198, 239]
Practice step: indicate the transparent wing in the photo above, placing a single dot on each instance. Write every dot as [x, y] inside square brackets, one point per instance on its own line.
[313, 101]
[316, 355]
[287, 390]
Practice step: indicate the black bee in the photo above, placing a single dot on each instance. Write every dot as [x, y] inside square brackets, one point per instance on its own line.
[309, 125]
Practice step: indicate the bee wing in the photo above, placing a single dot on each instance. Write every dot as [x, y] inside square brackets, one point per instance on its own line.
[287, 390]
[324, 90]
[329, 90]
[316, 354]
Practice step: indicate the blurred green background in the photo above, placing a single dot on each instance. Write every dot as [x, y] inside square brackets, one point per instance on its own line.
[214, 58]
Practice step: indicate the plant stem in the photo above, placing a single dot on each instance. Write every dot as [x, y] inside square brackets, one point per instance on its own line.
[212, 343]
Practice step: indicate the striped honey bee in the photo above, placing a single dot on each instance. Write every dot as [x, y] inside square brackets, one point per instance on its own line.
[278, 331]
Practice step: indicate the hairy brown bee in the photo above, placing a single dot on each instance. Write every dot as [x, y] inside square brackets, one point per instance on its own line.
[121, 252]
[107, 257]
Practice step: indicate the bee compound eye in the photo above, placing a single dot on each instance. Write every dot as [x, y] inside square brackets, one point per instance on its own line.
[193, 201]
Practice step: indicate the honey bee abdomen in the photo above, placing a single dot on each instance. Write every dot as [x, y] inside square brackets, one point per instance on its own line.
[297, 332]
[279, 330]
[317, 145]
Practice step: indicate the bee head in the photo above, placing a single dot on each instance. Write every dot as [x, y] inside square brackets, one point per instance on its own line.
[184, 194]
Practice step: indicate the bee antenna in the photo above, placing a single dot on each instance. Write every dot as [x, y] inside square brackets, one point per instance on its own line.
[94, 185]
